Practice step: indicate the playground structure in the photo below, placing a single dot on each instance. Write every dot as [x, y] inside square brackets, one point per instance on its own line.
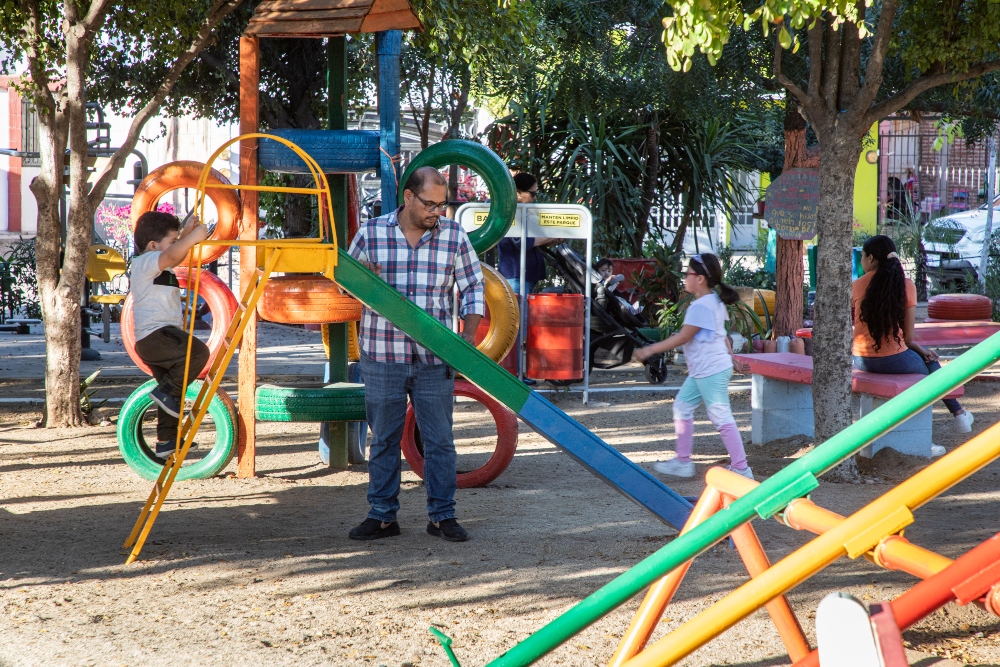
[873, 532]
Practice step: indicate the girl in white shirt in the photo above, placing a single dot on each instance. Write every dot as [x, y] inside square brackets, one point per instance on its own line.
[709, 356]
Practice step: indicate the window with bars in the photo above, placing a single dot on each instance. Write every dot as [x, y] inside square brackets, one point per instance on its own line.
[29, 134]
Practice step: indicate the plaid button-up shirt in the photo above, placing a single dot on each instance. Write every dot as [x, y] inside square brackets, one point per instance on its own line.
[426, 275]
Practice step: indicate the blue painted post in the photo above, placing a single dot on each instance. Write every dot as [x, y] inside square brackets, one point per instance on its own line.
[388, 45]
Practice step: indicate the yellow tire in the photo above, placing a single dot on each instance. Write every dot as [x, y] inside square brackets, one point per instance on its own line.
[353, 351]
[501, 302]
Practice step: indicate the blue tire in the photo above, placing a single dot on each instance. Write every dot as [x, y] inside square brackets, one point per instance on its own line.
[336, 151]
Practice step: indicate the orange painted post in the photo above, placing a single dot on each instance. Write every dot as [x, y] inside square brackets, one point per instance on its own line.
[249, 123]
[752, 552]
[659, 594]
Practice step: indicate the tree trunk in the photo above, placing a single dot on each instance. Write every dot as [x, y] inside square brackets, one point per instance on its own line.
[789, 269]
[649, 185]
[832, 332]
[687, 216]
[454, 121]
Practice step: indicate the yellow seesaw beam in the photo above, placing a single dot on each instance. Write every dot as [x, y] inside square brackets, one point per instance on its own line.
[855, 536]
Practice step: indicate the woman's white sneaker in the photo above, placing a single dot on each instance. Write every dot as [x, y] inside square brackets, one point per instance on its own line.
[963, 422]
[675, 468]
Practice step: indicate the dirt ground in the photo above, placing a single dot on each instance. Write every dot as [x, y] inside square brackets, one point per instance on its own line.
[260, 571]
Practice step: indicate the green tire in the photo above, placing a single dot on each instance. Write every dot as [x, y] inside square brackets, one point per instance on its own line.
[491, 168]
[339, 402]
[139, 455]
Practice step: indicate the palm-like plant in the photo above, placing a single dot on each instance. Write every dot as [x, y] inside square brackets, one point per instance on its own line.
[705, 160]
[603, 173]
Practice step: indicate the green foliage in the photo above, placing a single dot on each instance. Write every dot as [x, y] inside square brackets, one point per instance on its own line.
[736, 271]
[670, 316]
[86, 393]
[19, 280]
[705, 24]
[663, 284]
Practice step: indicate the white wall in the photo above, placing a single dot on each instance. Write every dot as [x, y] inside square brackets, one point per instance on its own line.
[29, 207]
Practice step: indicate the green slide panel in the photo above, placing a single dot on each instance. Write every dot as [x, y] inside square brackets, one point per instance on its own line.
[598, 457]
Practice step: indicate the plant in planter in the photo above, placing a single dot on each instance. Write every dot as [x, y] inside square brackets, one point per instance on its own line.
[662, 284]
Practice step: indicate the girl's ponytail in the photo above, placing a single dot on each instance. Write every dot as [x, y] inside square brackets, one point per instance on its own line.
[727, 294]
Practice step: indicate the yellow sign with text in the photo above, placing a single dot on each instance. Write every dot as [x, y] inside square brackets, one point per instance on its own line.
[559, 219]
[479, 218]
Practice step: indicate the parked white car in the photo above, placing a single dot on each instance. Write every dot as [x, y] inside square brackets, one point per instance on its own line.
[954, 244]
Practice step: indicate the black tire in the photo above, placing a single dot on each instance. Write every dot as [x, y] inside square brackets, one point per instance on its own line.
[336, 151]
[339, 402]
[656, 369]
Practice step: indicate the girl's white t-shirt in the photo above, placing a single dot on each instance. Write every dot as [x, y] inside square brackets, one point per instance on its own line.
[707, 354]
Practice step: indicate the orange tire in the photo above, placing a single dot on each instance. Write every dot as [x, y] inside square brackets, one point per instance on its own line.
[185, 174]
[306, 299]
[221, 303]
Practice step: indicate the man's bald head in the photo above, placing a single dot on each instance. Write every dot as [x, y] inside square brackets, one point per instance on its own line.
[420, 179]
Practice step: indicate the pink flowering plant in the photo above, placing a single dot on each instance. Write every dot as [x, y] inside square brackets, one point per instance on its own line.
[116, 224]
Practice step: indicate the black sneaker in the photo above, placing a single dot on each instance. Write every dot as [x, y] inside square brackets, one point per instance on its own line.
[448, 529]
[373, 529]
[165, 448]
[529, 382]
[170, 404]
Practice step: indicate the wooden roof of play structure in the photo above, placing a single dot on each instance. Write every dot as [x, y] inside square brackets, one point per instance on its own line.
[323, 18]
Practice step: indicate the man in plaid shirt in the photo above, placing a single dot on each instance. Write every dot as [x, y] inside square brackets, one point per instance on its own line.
[423, 256]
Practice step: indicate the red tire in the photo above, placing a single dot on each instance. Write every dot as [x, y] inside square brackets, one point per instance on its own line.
[221, 303]
[185, 174]
[960, 307]
[306, 299]
[506, 422]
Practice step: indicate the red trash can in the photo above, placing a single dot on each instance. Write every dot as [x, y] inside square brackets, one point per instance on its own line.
[555, 337]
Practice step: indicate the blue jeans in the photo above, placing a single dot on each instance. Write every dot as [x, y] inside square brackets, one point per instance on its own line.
[430, 387]
[906, 361]
[529, 286]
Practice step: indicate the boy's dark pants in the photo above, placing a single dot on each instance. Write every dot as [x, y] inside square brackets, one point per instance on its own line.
[164, 351]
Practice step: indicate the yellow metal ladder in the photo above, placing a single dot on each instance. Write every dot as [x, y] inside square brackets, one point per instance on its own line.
[191, 420]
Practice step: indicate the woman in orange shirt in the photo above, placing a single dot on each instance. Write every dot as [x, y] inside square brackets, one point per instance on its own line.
[884, 302]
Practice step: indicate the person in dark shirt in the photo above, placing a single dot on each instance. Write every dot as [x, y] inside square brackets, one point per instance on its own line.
[509, 249]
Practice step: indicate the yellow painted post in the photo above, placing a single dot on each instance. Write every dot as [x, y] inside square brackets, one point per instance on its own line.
[855, 536]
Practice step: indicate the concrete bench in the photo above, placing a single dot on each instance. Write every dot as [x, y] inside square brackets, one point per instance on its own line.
[19, 325]
[782, 405]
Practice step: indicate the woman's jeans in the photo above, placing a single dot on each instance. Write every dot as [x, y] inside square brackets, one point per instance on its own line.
[431, 388]
[905, 362]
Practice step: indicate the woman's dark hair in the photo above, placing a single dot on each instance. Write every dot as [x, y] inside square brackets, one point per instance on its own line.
[154, 226]
[884, 307]
[523, 181]
[604, 262]
[708, 265]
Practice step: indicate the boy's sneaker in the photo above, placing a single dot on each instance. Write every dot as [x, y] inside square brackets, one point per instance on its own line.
[963, 422]
[675, 468]
[746, 472]
[373, 529]
[164, 448]
[447, 529]
[170, 404]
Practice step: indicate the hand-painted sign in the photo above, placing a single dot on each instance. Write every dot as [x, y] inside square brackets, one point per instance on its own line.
[792, 202]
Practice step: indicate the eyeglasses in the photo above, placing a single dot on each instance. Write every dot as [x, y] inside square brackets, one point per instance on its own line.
[533, 193]
[691, 273]
[430, 206]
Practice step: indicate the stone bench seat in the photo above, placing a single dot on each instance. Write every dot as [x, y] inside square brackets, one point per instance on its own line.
[781, 402]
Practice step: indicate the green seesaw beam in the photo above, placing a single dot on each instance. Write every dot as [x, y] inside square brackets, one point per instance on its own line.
[547, 420]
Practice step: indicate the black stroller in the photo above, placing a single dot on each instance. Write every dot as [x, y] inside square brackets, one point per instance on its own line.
[614, 328]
